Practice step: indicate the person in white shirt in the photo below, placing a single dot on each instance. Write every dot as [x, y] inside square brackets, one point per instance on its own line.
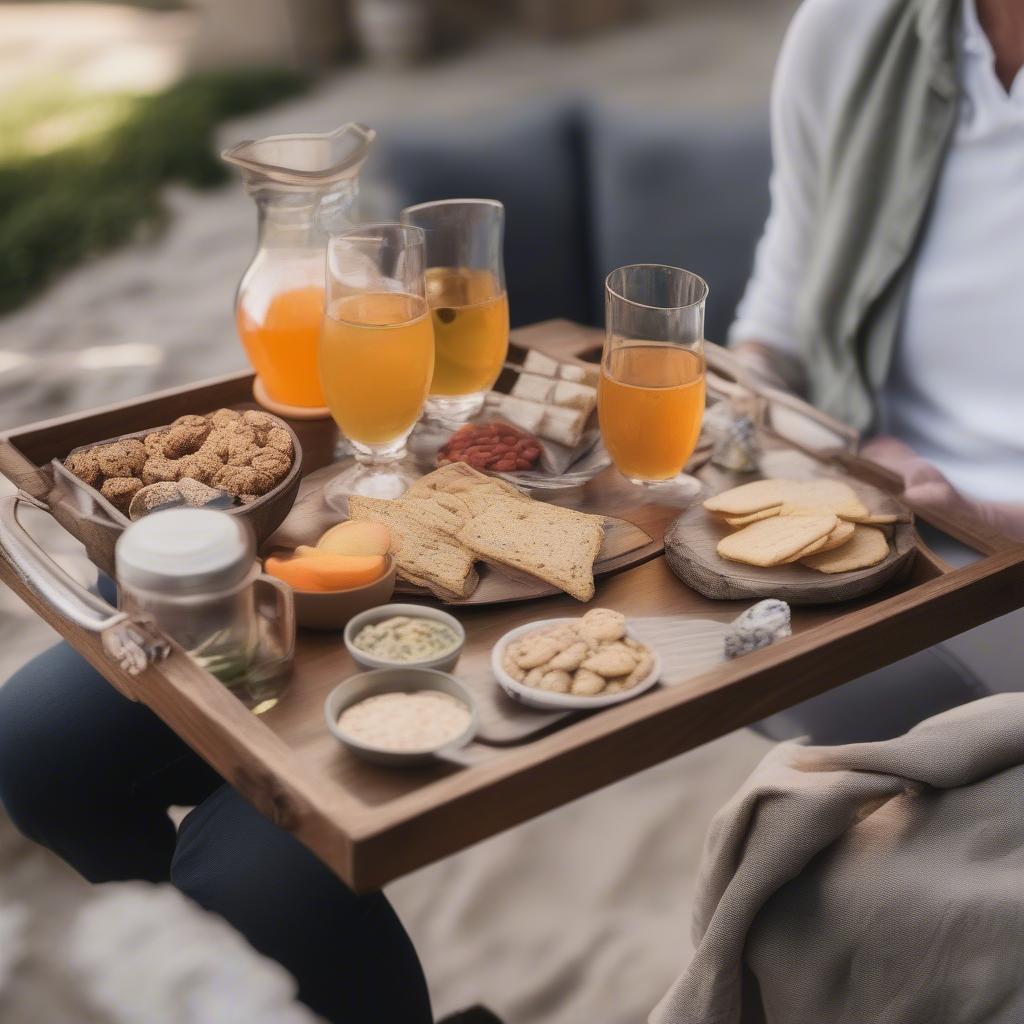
[951, 413]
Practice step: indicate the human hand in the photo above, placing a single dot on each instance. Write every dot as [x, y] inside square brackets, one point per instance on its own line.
[926, 488]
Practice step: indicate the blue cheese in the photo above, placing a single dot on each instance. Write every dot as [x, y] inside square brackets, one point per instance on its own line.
[759, 626]
[406, 639]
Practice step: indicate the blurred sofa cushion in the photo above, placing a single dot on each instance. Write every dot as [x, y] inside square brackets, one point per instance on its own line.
[667, 188]
[529, 159]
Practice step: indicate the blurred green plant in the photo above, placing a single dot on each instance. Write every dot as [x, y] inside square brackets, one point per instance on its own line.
[80, 174]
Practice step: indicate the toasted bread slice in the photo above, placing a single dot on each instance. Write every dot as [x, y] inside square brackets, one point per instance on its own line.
[462, 482]
[425, 555]
[554, 544]
[444, 512]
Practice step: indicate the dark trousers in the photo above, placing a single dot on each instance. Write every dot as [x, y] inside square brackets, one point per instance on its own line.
[90, 775]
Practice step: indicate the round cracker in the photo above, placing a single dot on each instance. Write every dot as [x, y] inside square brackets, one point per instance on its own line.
[876, 518]
[799, 496]
[836, 539]
[748, 498]
[772, 541]
[809, 550]
[868, 546]
[754, 517]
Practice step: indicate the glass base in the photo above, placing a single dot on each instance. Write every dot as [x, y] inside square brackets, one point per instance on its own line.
[680, 490]
[454, 409]
[380, 472]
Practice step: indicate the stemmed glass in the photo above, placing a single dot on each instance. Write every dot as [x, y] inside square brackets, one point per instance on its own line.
[466, 292]
[376, 353]
[651, 391]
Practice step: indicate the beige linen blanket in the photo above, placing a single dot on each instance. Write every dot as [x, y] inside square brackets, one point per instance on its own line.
[879, 882]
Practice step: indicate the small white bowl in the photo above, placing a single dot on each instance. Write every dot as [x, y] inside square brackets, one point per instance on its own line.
[443, 662]
[396, 680]
[546, 700]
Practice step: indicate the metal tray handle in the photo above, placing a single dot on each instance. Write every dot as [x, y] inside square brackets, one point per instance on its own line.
[132, 642]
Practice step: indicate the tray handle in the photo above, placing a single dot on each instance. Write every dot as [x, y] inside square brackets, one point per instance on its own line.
[133, 643]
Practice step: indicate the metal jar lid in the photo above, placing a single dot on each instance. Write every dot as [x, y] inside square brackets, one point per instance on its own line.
[184, 551]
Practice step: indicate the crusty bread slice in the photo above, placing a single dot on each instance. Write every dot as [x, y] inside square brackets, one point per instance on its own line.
[554, 544]
[425, 555]
[457, 480]
[438, 511]
[450, 596]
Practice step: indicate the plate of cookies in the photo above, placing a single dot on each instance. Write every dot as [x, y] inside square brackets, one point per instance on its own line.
[574, 663]
[804, 541]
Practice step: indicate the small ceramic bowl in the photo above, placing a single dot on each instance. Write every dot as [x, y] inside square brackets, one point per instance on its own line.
[443, 663]
[546, 700]
[331, 609]
[396, 680]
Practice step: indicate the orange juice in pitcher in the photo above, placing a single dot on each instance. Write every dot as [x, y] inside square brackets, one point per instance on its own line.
[304, 187]
[282, 341]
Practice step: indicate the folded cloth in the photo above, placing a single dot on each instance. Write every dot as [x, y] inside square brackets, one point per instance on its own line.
[878, 882]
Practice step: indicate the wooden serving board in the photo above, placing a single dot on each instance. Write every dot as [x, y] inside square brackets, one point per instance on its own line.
[690, 552]
[625, 545]
[691, 543]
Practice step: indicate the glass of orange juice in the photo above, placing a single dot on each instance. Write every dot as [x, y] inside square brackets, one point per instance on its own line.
[466, 292]
[376, 353]
[651, 391]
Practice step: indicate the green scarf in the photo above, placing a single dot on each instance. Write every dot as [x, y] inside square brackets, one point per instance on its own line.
[877, 181]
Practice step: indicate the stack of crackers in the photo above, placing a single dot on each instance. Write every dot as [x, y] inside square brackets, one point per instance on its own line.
[455, 517]
[821, 524]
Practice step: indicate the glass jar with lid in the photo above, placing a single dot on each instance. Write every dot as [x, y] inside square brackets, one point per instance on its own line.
[194, 572]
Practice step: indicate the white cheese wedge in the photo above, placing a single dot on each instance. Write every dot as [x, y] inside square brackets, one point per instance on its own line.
[571, 395]
[580, 374]
[520, 411]
[534, 388]
[563, 425]
[537, 362]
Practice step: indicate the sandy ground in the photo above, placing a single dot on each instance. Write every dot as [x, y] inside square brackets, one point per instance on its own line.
[580, 915]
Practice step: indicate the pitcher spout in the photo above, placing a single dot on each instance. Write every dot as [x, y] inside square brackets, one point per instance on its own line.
[307, 161]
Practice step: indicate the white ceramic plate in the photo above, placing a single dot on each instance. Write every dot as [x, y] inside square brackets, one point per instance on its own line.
[545, 699]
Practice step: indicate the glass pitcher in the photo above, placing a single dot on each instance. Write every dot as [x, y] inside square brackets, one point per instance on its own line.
[304, 187]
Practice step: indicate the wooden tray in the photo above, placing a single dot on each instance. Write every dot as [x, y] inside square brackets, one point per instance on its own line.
[371, 824]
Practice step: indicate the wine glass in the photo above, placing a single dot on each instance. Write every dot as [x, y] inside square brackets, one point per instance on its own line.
[651, 390]
[376, 353]
[466, 292]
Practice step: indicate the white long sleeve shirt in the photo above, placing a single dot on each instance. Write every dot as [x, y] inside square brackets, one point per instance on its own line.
[956, 387]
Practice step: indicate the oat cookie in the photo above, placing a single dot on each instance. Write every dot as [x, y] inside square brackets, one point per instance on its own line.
[603, 624]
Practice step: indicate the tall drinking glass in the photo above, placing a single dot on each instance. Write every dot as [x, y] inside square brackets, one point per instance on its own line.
[376, 353]
[651, 392]
[466, 291]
